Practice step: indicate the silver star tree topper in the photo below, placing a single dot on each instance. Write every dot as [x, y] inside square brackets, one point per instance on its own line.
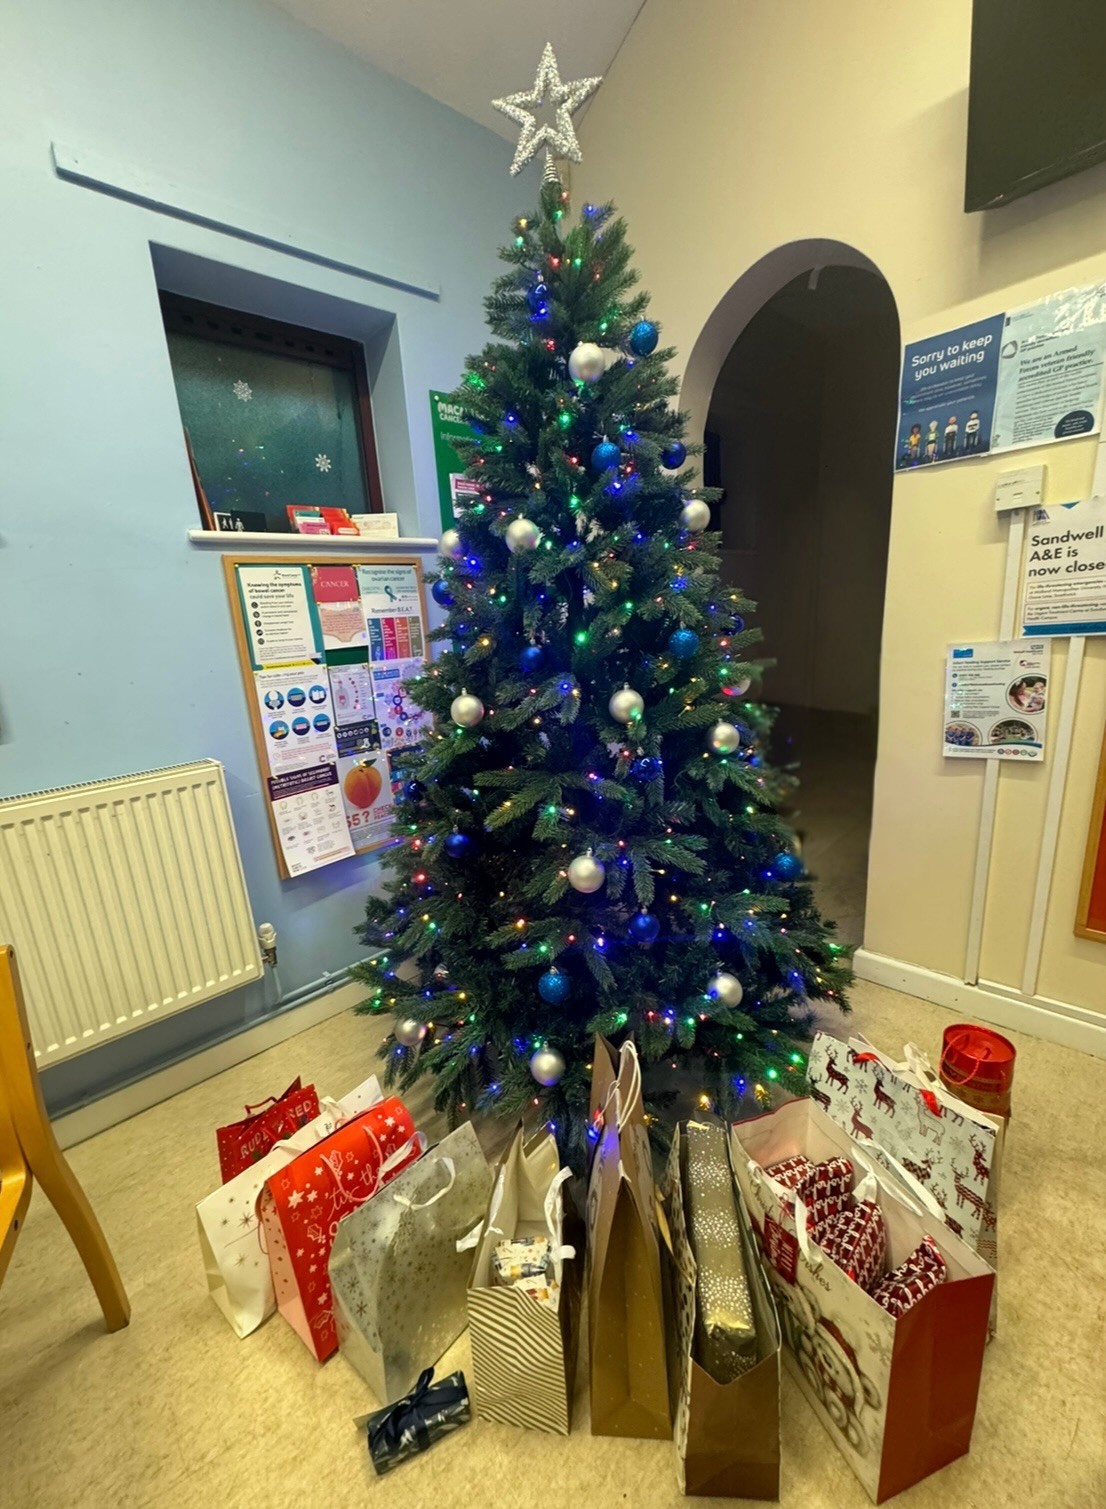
[566, 98]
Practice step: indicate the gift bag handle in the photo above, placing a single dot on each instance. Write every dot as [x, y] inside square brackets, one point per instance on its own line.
[451, 1169]
[270, 1100]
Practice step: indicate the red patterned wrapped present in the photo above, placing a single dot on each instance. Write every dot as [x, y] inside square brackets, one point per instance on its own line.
[301, 1205]
[791, 1172]
[856, 1241]
[911, 1281]
[248, 1141]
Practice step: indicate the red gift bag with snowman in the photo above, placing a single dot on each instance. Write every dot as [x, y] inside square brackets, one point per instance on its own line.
[301, 1205]
[895, 1378]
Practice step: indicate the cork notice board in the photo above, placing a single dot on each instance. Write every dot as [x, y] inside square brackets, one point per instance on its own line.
[326, 648]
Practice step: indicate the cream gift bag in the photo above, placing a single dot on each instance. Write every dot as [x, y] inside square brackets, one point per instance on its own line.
[231, 1239]
[524, 1348]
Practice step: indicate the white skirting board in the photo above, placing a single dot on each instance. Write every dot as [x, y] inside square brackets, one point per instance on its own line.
[122, 1104]
[1003, 1005]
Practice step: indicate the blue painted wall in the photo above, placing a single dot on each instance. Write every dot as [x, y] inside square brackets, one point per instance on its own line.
[118, 654]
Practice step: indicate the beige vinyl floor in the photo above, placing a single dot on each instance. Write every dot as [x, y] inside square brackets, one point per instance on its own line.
[176, 1411]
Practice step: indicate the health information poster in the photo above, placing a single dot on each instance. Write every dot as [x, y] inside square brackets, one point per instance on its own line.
[1027, 377]
[1064, 581]
[996, 700]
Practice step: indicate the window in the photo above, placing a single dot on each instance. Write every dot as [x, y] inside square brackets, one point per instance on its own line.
[274, 415]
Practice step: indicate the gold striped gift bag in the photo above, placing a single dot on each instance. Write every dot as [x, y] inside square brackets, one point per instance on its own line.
[523, 1348]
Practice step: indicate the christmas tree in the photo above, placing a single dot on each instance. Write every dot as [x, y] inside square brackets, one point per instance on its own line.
[591, 841]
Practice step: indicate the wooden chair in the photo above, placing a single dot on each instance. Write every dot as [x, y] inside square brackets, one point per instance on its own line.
[29, 1151]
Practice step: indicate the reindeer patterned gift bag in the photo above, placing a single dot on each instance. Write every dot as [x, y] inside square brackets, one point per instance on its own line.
[895, 1384]
[300, 1208]
[904, 1111]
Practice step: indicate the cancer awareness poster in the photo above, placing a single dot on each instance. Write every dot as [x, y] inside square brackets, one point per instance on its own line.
[366, 783]
[280, 616]
[996, 700]
[310, 818]
[402, 722]
[392, 606]
[339, 606]
[1029, 376]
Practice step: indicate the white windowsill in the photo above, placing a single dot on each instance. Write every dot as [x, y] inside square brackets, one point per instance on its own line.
[227, 539]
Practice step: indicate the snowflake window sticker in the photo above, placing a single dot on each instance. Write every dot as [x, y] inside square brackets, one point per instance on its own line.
[322, 462]
[242, 390]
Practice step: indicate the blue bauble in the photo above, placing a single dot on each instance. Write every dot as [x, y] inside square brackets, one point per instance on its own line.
[459, 845]
[414, 791]
[643, 338]
[554, 987]
[674, 455]
[441, 594]
[738, 624]
[605, 455]
[532, 659]
[683, 643]
[538, 300]
[787, 865]
[646, 768]
[643, 927]
[464, 629]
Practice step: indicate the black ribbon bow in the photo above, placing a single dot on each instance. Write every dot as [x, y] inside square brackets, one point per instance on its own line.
[387, 1427]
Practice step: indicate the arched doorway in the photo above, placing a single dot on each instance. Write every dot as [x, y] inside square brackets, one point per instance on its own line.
[799, 426]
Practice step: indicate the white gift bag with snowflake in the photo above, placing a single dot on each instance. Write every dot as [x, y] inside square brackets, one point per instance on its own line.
[232, 1243]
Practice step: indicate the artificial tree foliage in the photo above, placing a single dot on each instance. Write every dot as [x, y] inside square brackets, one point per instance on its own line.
[544, 637]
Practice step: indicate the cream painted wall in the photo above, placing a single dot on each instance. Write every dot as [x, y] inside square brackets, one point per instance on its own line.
[844, 120]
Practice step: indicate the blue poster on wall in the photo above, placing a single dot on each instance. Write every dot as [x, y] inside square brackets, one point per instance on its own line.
[947, 398]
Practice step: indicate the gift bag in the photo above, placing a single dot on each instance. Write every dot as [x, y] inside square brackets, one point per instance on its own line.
[302, 1205]
[244, 1142]
[727, 1434]
[896, 1394]
[524, 1336]
[397, 1277]
[904, 1111]
[235, 1256]
[629, 1378]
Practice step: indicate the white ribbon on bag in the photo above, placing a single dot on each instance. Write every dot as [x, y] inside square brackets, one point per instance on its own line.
[451, 1168]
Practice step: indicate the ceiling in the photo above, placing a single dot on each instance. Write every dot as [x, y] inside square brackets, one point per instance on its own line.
[468, 52]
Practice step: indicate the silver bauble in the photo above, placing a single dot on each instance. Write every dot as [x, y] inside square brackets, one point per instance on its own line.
[586, 362]
[586, 873]
[466, 710]
[441, 975]
[409, 1032]
[695, 514]
[626, 706]
[450, 545]
[724, 738]
[547, 1066]
[742, 686]
[725, 988]
[522, 534]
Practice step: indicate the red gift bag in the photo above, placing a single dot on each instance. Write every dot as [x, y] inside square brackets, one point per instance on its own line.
[300, 1208]
[245, 1142]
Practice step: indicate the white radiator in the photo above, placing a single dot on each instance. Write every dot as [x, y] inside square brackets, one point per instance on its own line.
[125, 901]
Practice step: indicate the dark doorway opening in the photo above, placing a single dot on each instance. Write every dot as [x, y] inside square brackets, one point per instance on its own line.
[799, 433]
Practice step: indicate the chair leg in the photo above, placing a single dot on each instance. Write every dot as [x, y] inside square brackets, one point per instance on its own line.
[65, 1194]
[26, 1110]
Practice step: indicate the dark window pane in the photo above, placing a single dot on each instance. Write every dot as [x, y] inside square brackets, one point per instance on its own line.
[268, 430]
